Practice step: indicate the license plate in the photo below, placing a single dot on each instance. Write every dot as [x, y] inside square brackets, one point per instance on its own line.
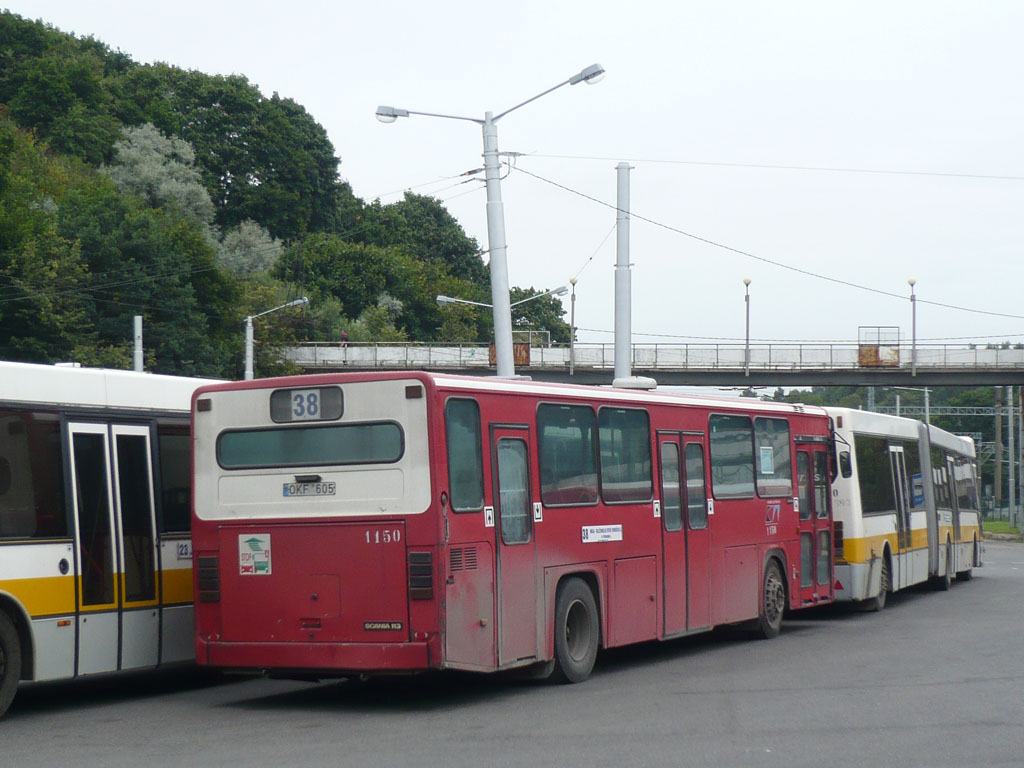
[309, 489]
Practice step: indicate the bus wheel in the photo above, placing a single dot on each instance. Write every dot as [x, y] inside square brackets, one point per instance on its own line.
[877, 602]
[773, 602]
[10, 662]
[576, 632]
[947, 577]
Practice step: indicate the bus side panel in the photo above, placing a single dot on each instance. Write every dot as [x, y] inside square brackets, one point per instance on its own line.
[470, 638]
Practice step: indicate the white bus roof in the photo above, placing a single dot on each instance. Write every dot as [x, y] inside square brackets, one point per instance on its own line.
[95, 387]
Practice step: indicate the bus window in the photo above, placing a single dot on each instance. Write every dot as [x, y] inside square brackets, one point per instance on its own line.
[566, 437]
[625, 440]
[671, 502]
[175, 479]
[373, 443]
[940, 478]
[913, 462]
[513, 491]
[135, 497]
[774, 470]
[696, 496]
[874, 473]
[465, 455]
[31, 476]
[732, 457]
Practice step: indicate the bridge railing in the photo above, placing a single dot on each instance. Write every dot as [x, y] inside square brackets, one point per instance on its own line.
[587, 355]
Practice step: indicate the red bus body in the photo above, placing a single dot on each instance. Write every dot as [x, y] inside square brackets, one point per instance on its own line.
[342, 582]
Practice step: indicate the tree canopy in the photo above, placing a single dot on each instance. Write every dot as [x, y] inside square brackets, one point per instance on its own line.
[195, 200]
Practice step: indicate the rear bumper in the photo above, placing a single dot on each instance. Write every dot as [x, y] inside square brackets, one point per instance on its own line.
[316, 657]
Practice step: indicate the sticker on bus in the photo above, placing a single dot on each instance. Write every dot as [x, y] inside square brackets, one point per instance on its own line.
[309, 489]
[254, 554]
[598, 533]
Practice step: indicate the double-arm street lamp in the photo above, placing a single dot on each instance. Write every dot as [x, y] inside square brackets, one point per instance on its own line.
[559, 291]
[248, 332]
[495, 212]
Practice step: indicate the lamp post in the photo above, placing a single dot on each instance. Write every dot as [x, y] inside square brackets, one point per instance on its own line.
[746, 348]
[913, 327]
[572, 327]
[248, 332]
[496, 213]
[559, 291]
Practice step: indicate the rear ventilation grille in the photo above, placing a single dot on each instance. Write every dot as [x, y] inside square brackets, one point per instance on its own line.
[208, 579]
[462, 559]
[421, 575]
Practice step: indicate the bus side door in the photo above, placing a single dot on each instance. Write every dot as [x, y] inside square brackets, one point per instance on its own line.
[815, 523]
[115, 552]
[515, 566]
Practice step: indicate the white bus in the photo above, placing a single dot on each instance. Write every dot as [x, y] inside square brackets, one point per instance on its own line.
[905, 505]
[95, 552]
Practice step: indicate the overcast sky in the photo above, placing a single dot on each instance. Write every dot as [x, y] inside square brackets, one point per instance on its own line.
[923, 97]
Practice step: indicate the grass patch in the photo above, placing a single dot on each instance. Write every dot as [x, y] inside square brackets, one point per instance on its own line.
[1000, 526]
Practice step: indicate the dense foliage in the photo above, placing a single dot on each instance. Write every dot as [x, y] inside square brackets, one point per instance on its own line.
[194, 200]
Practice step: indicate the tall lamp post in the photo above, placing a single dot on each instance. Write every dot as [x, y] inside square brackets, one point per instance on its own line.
[572, 326]
[913, 327]
[248, 332]
[746, 348]
[495, 211]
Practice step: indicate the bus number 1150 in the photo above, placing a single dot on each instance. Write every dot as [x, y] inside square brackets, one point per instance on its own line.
[384, 537]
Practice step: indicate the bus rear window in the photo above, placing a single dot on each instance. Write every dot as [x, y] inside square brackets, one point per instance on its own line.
[373, 443]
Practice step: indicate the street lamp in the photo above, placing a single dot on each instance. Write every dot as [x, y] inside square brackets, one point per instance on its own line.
[913, 327]
[495, 211]
[559, 291]
[248, 332]
[572, 327]
[746, 348]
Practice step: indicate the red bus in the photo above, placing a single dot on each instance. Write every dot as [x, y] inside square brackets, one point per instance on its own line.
[355, 523]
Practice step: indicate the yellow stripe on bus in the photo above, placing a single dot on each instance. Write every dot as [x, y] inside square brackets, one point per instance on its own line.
[44, 596]
[178, 585]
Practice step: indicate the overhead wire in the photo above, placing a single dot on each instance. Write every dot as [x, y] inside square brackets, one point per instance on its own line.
[779, 167]
[763, 259]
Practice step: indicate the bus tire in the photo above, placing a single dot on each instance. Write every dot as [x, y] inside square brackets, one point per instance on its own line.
[877, 603]
[773, 602]
[10, 662]
[577, 632]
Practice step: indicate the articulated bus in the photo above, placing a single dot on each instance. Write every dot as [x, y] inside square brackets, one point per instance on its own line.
[905, 506]
[95, 554]
[348, 524]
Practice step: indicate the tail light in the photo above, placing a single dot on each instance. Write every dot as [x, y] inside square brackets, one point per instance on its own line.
[838, 538]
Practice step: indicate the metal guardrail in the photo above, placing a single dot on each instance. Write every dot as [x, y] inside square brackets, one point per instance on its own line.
[653, 357]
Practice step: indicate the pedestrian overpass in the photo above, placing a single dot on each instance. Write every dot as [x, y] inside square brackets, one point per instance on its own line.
[787, 365]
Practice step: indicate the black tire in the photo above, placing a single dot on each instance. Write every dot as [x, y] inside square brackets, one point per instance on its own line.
[577, 632]
[773, 602]
[877, 603]
[10, 662]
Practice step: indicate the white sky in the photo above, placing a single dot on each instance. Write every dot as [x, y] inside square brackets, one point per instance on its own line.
[923, 86]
